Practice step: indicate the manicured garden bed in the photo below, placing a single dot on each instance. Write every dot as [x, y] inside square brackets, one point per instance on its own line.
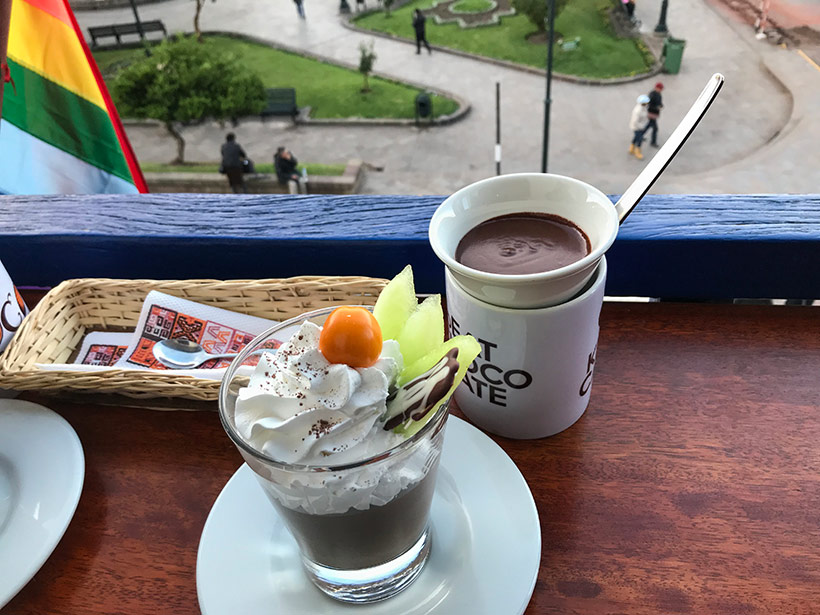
[472, 6]
[600, 54]
[331, 92]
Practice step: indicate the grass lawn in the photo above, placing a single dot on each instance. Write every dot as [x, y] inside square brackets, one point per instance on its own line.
[599, 55]
[213, 167]
[331, 91]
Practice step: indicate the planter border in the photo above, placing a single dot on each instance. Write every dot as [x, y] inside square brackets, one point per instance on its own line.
[460, 113]
[494, 15]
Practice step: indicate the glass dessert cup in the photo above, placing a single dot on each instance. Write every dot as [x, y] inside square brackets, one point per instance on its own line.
[362, 528]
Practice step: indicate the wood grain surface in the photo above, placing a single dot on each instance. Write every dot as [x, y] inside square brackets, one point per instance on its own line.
[691, 484]
[679, 246]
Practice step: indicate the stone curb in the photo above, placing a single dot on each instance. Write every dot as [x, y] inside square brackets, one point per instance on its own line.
[656, 68]
[765, 148]
[459, 114]
[796, 106]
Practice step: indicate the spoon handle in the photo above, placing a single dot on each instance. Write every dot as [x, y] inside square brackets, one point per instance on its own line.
[661, 160]
[225, 355]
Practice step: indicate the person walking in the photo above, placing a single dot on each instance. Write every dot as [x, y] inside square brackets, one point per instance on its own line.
[638, 125]
[300, 8]
[419, 26]
[655, 106]
[762, 22]
[285, 163]
[233, 161]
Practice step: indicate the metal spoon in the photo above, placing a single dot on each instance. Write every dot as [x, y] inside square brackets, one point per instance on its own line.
[661, 160]
[182, 353]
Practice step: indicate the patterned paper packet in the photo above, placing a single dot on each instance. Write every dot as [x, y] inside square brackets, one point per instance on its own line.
[164, 316]
[216, 330]
[103, 348]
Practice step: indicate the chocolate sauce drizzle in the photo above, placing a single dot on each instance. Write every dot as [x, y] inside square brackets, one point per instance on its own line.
[416, 398]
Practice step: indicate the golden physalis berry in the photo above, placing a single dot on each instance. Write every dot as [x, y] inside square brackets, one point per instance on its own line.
[351, 335]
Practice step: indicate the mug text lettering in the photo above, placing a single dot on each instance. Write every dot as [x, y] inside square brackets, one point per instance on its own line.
[590, 368]
[487, 380]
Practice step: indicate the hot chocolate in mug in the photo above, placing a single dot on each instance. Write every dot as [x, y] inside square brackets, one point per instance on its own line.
[534, 374]
[533, 194]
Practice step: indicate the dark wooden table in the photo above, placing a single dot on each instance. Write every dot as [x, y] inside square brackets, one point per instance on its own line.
[691, 484]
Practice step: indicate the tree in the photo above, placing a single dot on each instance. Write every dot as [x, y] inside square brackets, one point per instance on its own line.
[367, 58]
[537, 10]
[199, 5]
[184, 82]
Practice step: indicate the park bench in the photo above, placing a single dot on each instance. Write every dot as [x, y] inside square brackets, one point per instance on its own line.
[281, 101]
[117, 31]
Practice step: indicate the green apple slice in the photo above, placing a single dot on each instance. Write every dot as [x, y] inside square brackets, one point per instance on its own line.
[395, 304]
[468, 348]
[411, 407]
[423, 331]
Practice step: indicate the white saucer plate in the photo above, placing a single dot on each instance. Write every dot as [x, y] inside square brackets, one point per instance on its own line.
[41, 477]
[485, 555]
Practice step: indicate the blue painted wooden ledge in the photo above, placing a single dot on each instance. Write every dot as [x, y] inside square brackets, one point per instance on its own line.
[677, 246]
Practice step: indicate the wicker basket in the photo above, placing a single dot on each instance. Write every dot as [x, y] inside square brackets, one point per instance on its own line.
[54, 330]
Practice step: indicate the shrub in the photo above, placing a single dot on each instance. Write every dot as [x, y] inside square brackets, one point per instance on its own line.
[367, 58]
[185, 82]
[537, 10]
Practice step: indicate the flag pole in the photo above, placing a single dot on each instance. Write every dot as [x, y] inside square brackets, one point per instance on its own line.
[5, 20]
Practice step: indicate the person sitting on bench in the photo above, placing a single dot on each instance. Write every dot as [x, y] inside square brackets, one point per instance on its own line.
[285, 163]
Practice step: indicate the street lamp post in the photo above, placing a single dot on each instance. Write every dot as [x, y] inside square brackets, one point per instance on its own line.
[137, 19]
[661, 27]
[548, 101]
[139, 27]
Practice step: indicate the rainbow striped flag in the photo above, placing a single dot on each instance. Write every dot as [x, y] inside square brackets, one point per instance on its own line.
[60, 132]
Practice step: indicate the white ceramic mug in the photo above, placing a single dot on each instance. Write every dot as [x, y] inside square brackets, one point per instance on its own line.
[534, 374]
[571, 199]
[12, 309]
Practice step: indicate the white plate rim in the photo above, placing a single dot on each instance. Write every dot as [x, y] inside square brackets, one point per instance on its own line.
[529, 524]
[28, 417]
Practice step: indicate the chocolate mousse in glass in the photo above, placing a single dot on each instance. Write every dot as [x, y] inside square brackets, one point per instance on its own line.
[355, 495]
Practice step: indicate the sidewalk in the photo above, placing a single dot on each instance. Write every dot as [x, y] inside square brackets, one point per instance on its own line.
[789, 160]
[588, 134]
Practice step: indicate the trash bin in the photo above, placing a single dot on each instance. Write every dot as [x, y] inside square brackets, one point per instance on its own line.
[424, 106]
[673, 54]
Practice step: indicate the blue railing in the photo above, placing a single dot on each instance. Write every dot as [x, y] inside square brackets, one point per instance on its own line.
[676, 246]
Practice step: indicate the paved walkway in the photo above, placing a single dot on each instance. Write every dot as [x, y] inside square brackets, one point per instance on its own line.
[749, 142]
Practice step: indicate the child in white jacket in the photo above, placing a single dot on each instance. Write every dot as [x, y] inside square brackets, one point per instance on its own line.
[637, 124]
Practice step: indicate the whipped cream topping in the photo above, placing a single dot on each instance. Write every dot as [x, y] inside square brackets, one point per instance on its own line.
[299, 408]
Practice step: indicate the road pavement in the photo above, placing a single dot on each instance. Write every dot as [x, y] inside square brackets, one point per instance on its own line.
[760, 136]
